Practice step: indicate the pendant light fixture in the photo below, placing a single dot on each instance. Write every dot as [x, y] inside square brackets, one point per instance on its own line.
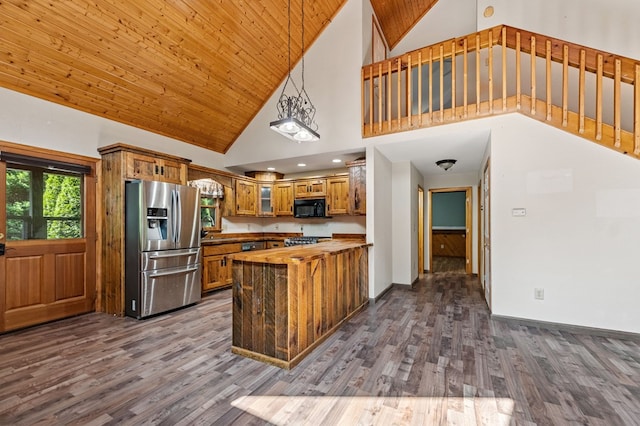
[296, 113]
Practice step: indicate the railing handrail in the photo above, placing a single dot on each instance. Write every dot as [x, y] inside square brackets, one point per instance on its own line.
[391, 107]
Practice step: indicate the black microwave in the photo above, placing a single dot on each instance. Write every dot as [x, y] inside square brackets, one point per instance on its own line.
[313, 207]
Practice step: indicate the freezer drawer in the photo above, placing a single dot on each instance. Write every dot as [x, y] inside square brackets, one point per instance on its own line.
[162, 290]
[168, 258]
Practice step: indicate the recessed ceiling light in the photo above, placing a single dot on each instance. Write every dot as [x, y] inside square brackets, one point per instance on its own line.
[336, 160]
[271, 168]
[302, 165]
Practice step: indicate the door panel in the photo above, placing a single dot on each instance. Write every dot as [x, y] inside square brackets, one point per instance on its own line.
[69, 275]
[25, 286]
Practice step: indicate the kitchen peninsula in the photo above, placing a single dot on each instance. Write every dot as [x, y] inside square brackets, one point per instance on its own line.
[286, 301]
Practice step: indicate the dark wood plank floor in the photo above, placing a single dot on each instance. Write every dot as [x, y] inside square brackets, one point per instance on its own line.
[428, 355]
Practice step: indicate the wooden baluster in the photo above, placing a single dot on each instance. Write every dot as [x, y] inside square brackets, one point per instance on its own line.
[409, 93]
[477, 74]
[518, 71]
[371, 100]
[420, 88]
[389, 92]
[441, 83]
[504, 69]
[534, 99]
[548, 58]
[565, 85]
[453, 80]
[362, 117]
[430, 85]
[617, 111]
[491, 72]
[380, 109]
[398, 94]
[636, 111]
[599, 71]
[582, 89]
[465, 89]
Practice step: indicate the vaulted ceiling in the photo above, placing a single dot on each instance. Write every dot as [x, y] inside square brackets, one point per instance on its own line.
[194, 70]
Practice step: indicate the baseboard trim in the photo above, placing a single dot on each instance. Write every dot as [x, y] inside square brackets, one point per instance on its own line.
[601, 332]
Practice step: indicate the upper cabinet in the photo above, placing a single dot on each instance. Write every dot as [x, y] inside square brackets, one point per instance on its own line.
[283, 198]
[358, 186]
[265, 199]
[337, 195]
[310, 188]
[141, 166]
[245, 198]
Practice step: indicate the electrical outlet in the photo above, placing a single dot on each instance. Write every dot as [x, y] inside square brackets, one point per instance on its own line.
[277, 227]
[538, 293]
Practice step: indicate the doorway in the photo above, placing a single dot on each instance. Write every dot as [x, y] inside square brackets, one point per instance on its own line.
[450, 230]
[48, 235]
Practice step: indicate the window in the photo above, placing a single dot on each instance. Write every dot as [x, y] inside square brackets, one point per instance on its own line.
[43, 204]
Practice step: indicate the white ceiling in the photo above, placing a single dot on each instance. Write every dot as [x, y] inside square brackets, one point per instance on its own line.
[466, 147]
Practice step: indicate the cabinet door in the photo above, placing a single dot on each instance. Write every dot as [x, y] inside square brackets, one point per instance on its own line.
[265, 199]
[228, 271]
[214, 272]
[338, 195]
[245, 198]
[172, 171]
[283, 199]
[358, 189]
[301, 189]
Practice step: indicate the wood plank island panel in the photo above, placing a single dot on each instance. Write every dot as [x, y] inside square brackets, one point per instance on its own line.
[287, 301]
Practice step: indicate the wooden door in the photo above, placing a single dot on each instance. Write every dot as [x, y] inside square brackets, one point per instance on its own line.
[338, 195]
[48, 270]
[283, 199]
[245, 198]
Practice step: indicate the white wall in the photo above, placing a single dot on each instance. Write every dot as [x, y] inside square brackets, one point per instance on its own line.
[332, 78]
[607, 25]
[31, 121]
[579, 238]
[379, 221]
[404, 183]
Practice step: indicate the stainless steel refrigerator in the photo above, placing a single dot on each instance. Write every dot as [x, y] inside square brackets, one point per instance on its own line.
[162, 251]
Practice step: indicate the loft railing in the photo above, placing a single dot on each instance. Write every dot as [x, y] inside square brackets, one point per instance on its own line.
[585, 91]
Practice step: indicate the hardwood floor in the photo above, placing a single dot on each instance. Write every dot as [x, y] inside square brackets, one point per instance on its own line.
[447, 264]
[428, 355]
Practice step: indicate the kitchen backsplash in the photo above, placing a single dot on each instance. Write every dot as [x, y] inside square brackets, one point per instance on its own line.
[311, 227]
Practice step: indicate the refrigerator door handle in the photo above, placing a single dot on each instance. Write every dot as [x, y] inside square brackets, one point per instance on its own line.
[178, 213]
[165, 256]
[175, 272]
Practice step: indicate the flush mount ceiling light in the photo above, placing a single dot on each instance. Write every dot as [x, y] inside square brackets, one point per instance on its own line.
[445, 164]
[296, 113]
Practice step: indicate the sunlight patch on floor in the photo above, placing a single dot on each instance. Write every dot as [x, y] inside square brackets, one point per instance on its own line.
[370, 410]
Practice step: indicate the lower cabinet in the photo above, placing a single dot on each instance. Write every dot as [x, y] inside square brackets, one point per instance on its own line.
[216, 272]
[216, 265]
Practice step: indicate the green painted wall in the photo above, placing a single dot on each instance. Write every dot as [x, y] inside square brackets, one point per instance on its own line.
[448, 209]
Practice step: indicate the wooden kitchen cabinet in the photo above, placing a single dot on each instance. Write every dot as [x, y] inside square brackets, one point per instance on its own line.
[358, 187]
[216, 265]
[283, 199]
[265, 199]
[216, 272]
[245, 198]
[310, 188]
[144, 167]
[338, 195]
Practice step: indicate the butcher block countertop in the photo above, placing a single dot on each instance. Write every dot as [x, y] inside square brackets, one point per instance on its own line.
[298, 254]
[216, 239]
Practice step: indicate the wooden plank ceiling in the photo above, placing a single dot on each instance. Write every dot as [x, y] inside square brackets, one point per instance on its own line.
[194, 70]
